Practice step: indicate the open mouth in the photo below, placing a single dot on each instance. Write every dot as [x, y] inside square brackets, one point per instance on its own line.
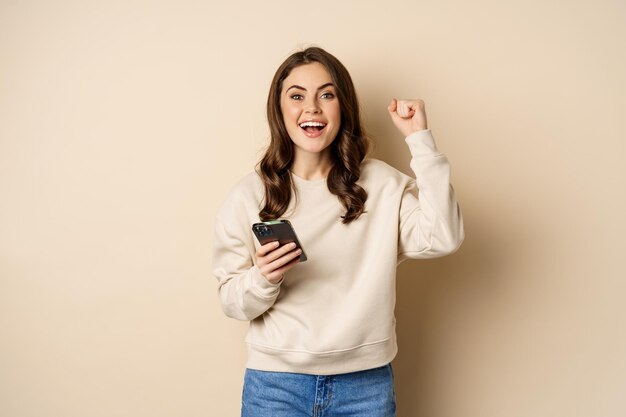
[312, 127]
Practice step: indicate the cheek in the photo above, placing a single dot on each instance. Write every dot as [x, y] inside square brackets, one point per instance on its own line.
[289, 112]
[336, 113]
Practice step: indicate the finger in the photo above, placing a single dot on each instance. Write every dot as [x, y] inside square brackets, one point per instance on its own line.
[274, 269]
[405, 109]
[402, 110]
[415, 105]
[418, 112]
[283, 260]
[278, 253]
[393, 110]
[267, 248]
[287, 266]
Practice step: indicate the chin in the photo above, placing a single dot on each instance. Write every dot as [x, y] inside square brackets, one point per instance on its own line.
[312, 148]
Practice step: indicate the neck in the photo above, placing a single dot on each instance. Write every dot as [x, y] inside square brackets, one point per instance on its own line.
[311, 166]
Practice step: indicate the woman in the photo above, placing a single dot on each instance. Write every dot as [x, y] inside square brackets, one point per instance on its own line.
[322, 332]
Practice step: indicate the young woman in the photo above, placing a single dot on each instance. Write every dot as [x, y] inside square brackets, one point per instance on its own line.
[322, 332]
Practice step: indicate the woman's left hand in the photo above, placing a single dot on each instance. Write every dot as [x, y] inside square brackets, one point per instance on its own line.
[408, 115]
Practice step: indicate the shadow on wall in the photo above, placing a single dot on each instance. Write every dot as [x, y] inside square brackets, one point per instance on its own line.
[444, 305]
[440, 302]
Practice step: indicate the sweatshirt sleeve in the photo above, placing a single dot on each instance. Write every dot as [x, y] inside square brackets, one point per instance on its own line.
[431, 224]
[243, 291]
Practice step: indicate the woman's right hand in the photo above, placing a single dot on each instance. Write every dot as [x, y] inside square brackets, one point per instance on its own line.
[274, 260]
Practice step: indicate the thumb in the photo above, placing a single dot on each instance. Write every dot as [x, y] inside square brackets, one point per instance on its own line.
[393, 105]
[405, 109]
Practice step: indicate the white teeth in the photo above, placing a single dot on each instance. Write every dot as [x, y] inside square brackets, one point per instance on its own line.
[318, 124]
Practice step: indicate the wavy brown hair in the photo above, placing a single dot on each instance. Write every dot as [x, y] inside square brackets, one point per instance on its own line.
[347, 150]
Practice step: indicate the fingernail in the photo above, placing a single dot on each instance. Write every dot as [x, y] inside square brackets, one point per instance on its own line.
[292, 245]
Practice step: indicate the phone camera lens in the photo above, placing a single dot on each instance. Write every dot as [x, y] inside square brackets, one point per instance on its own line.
[263, 231]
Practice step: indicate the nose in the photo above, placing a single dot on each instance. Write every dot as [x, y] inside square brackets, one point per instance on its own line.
[312, 106]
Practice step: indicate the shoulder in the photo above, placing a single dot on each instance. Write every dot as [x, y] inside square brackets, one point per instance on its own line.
[244, 197]
[377, 173]
[250, 182]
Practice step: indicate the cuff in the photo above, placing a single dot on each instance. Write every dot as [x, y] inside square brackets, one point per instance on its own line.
[422, 143]
[262, 286]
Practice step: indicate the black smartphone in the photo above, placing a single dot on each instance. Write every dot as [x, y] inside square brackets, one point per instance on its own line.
[277, 230]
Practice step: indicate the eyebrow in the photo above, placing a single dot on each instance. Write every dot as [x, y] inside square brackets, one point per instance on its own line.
[302, 88]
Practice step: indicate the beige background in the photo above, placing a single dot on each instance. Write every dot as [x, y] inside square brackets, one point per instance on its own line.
[123, 125]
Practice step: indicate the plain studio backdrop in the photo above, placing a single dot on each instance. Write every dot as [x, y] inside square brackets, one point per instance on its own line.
[123, 124]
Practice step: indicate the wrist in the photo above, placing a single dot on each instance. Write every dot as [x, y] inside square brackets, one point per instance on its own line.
[275, 280]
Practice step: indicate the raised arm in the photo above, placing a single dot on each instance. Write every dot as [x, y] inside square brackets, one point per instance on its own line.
[431, 224]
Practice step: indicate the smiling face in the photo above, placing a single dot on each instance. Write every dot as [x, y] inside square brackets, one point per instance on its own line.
[310, 108]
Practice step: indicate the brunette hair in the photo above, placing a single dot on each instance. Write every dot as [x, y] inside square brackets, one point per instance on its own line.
[347, 150]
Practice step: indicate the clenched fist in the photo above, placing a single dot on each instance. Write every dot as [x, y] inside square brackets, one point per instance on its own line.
[408, 115]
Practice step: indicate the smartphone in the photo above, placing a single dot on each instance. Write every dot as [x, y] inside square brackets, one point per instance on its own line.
[277, 230]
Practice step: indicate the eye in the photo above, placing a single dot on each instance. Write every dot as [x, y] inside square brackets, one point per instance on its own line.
[296, 97]
[328, 95]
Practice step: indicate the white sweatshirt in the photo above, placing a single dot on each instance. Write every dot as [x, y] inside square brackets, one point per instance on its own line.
[334, 313]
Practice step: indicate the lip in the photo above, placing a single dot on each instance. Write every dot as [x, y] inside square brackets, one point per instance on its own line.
[315, 134]
[312, 120]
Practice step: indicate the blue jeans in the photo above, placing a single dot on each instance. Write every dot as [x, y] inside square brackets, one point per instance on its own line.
[367, 393]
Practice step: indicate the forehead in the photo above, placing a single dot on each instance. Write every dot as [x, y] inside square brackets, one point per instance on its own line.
[308, 75]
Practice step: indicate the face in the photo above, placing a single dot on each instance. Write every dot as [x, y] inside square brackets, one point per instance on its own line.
[310, 108]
